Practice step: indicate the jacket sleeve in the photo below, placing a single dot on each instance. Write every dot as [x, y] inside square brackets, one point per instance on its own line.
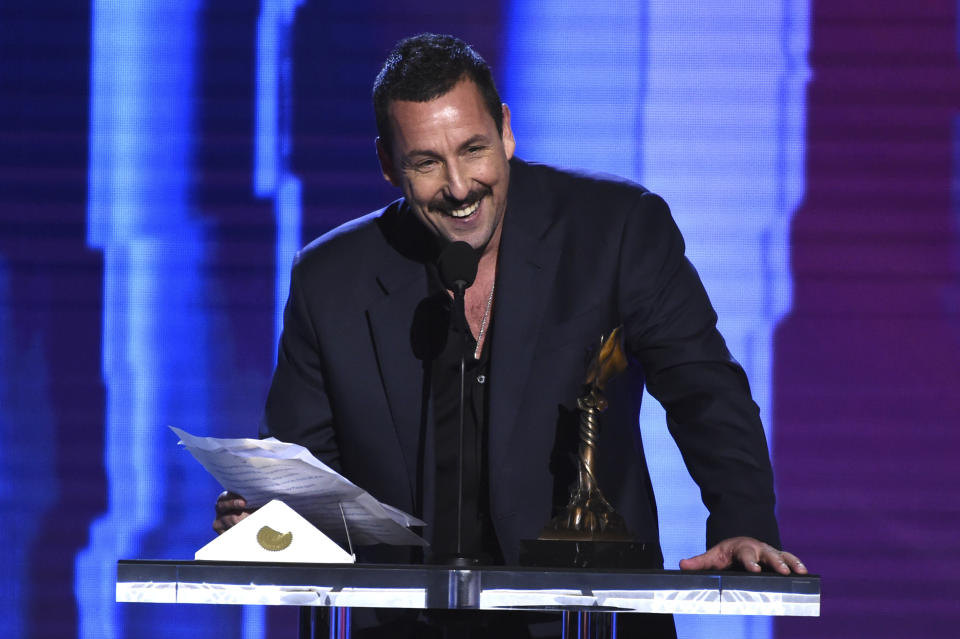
[298, 407]
[670, 328]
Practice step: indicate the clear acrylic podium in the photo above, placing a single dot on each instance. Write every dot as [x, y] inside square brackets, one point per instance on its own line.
[325, 593]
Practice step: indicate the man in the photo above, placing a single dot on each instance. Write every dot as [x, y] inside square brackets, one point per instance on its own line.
[365, 378]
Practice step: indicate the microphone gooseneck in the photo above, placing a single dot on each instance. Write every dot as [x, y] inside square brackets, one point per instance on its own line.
[458, 264]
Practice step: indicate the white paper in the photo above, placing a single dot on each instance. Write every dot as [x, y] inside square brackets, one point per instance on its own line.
[265, 469]
[306, 544]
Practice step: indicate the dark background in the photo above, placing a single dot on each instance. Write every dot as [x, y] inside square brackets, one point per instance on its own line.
[866, 372]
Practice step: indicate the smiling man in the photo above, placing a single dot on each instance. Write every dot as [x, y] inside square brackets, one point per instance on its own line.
[367, 372]
[450, 156]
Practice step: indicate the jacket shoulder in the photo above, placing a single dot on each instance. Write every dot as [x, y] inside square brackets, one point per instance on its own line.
[591, 201]
[349, 241]
[574, 181]
[336, 265]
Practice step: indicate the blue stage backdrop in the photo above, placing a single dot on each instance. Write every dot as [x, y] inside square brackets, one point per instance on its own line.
[161, 162]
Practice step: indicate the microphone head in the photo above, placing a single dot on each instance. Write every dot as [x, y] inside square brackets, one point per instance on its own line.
[458, 265]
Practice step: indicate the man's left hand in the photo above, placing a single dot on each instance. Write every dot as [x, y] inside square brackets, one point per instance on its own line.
[746, 552]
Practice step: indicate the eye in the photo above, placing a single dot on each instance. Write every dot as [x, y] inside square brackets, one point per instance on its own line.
[425, 165]
[476, 148]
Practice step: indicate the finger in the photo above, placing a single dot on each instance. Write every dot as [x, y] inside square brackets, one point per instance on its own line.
[226, 522]
[222, 524]
[230, 505]
[233, 520]
[748, 555]
[794, 563]
[775, 559]
[230, 508]
[227, 496]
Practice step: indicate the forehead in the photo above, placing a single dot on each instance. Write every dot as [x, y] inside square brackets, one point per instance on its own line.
[459, 114]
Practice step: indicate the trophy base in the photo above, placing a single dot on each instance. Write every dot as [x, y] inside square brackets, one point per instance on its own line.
[555, 553]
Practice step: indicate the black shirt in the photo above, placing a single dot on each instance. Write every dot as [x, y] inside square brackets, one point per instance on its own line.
[478, 538]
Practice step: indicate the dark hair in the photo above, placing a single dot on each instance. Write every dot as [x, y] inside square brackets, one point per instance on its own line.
[426, 66]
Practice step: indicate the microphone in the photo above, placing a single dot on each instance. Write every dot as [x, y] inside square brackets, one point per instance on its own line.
[458, 264]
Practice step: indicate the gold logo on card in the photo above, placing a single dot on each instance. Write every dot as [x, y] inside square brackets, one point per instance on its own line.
[270, 539]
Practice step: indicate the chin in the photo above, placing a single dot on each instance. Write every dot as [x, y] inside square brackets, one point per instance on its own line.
[472, 239]
[478, 243]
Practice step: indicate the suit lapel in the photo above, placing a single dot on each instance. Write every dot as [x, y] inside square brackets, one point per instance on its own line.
[529, 253]
[401, 284]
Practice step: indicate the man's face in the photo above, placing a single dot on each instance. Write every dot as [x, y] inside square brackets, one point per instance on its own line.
[451, 164]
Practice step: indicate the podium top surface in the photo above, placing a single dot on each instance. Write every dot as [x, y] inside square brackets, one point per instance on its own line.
[481, 587]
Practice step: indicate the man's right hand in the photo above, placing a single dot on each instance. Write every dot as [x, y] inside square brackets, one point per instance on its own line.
[231, 508]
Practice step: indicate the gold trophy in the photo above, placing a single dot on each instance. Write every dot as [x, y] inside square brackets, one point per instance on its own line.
[589, 516]
[590, 533]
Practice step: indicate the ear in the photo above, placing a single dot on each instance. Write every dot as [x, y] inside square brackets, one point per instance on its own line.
[386, 164]
[509, 144]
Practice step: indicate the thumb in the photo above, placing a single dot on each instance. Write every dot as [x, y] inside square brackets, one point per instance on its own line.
[699, 562]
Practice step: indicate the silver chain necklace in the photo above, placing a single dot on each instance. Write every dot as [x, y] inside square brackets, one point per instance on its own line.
[483, 322]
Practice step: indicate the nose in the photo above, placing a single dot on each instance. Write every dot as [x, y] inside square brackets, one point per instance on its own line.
[458, 184]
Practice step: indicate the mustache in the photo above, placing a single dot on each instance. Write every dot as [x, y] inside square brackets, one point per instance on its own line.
[445, 204]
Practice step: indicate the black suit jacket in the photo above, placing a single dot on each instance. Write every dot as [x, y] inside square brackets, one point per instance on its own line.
[579, 255]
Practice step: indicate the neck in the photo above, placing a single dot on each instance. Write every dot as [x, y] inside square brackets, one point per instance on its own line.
[488, 257]
[479, 297]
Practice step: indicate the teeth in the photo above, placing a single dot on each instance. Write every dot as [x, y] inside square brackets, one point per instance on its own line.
[465, 211]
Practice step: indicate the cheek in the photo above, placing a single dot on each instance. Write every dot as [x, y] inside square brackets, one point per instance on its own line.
[494, 172]
[420, 191]
[484, 178]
